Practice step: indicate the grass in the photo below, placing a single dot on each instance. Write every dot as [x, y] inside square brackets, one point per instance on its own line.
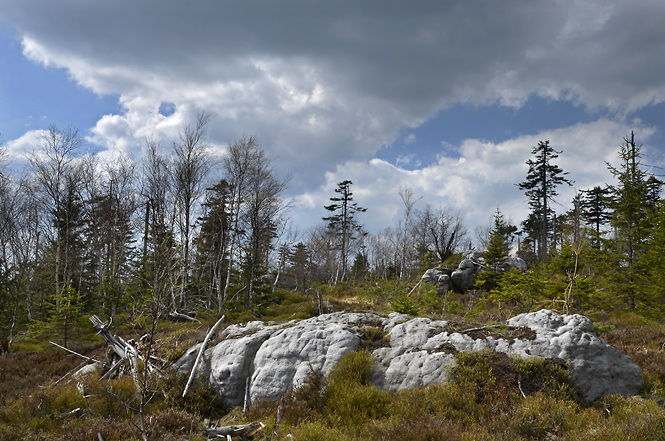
[490, 396]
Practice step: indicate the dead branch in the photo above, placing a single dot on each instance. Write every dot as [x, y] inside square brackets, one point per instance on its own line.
[200, 354]
[70, 372]
[414, 288]
[122, 349]
[116, 343]
[482, 328]
[519, 385]
[75, 353]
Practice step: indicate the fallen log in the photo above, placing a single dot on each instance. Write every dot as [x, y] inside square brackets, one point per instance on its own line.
[177, 316]
[240, 430]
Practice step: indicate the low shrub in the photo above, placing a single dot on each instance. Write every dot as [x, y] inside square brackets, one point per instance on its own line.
[404, 304]
[349, 397]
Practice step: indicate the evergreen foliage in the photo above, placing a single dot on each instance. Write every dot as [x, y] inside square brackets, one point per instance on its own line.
[498, 249]
[596, 209]
[342, 222]
[633, 204]
[540, 186]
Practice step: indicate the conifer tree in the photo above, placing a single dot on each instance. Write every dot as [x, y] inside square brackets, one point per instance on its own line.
[540, 187]
[213, 240]
[499, 242]
[654, 264]
[343, 221]
[632, 203]
[595, 209]
[498, 249]
[301, 262]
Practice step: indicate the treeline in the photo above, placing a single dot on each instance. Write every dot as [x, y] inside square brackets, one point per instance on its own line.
[604, 252]
[183, 230]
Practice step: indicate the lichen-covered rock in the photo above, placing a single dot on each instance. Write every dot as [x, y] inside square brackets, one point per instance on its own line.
[597, 367]
[272, 359]
[290, 356]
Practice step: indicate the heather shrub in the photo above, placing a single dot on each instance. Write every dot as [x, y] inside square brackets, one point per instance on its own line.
[541, 417]
[350, 399]
[318, 431]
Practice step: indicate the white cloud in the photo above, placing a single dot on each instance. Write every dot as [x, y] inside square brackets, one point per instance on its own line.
[325, 85]
[330, 84]
[18, 149]
[482, 179]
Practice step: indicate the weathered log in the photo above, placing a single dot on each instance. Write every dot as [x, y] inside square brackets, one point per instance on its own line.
[175, 315]
[240, 430]
[116, 343]
[122, 349]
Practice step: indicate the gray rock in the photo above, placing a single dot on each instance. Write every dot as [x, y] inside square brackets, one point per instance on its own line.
[464, 276]
[516, 262]
[290, 356]
[440, 277]
[597, 367]
[273, 359]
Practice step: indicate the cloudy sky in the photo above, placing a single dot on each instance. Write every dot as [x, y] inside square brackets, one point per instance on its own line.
[447, 97]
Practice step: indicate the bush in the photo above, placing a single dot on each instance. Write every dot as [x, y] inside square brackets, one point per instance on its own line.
[404, 304]
[349, 397]
[541, 417]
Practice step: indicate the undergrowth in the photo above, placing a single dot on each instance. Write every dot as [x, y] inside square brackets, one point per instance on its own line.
[490, 396]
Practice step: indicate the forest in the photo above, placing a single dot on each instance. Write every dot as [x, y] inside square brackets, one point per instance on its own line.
[187, 233]
[181, 235]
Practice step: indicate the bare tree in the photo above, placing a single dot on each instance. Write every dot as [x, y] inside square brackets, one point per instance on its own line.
[111, 202]
[261, 214]
[407, 196]
[382, 252]
[323, 253]
[190, 170]
[159, 252]
[235, 164]
[58, 175]
[441, 230]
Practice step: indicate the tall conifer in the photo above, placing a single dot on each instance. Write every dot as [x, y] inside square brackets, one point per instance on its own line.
[540, 187]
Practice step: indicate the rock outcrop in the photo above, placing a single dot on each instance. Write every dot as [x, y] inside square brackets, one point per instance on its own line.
[264, 361]
[463, 277]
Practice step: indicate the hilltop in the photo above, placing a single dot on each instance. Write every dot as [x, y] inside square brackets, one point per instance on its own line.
[488, 396]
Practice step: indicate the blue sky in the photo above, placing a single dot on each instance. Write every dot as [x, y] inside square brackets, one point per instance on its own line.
[33, 96]
[447, 98]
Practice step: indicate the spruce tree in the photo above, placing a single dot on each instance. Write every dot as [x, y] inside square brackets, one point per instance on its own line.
[595, 209]
[540, 187]
[212, 243]
[499, 243]
[633, 202]
[498, 249]
[652, 300]
[342, 222]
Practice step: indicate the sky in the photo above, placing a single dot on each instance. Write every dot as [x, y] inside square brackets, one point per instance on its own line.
[446, 97]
